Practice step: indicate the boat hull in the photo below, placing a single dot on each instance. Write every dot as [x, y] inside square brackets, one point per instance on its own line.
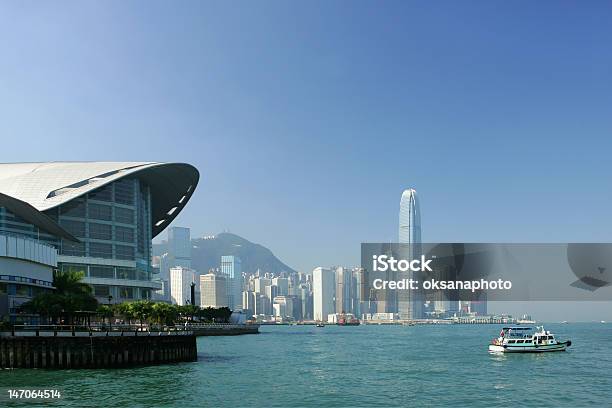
[529, 349]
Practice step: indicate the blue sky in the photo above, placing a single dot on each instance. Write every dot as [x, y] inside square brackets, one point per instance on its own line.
[307, 120]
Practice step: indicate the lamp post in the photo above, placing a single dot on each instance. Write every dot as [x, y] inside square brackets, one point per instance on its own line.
[110, 318]
[192, 293]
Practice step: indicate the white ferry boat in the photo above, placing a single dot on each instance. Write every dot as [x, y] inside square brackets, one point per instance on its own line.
[520, 339]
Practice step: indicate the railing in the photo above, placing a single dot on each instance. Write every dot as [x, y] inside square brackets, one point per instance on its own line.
[119, 330]
[219, 325]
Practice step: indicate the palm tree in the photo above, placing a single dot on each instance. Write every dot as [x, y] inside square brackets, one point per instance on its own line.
[70, 295]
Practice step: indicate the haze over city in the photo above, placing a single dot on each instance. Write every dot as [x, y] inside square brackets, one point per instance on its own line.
[500, 125]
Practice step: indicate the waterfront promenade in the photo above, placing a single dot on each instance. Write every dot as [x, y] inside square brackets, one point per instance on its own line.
[222, 329]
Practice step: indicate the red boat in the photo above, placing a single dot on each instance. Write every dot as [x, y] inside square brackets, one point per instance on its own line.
[350, 321]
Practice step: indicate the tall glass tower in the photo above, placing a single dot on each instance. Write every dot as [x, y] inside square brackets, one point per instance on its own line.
[409, 302]
[409, 218]
[231, 267]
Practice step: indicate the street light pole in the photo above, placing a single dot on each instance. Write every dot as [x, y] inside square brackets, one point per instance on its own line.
[110, 318]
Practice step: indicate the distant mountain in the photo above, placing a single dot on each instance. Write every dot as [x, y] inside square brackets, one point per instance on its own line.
[206, 254]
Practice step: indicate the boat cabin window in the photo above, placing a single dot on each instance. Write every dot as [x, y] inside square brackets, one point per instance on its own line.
[520, 341]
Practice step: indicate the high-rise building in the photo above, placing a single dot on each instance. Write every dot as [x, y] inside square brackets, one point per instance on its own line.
[181, 280]
[305, 301]
[231, 267]
[179, 246]
[282, 284]
[479, 306]
[359, 306]
[409, 302]
[262, 305]
[409, 218]
[323, 293]
[283, 307]
[213, 290]
[178, 254]
[248, 303]
[271, 292]
[260, 284]
[112, 209]
[344, 290]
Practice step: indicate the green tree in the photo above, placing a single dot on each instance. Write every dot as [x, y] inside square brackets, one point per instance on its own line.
[142, 310]
[164, 313]
[71, 295]
[106, 312]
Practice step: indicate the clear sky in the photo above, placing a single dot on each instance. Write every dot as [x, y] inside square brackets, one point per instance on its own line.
[307, 120]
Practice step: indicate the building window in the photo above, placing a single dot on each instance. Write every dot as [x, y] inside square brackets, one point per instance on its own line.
[38, 291]
[145, 293]
[143, 275]
[74, 208]
[99, 212]
[124, 252]
[103, 193]
[124, 234]
[76, 228]
[124, 215]
[124, 191]
[100, 231]
[99, 250]
[126, 273]
[73, 248]
[22, 290]
[126, 293]
[101, 290]
[75, 268]
[97, 271]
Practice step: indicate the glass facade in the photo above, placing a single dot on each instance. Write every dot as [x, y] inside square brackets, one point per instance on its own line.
[20, 243]
[113, 224]
[11, 224]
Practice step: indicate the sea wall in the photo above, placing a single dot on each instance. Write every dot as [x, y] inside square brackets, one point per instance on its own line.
[224, 329]
[89, 350]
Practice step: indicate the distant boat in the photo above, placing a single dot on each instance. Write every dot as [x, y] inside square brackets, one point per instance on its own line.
[320, 325]
[519, 339]
[564, 322]
[526, 319]
[347, 320]
[603, 321]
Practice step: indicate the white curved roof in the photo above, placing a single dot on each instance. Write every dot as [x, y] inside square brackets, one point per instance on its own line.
[48, 185]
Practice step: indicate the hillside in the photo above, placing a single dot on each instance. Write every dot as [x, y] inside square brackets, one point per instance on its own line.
[206, 254]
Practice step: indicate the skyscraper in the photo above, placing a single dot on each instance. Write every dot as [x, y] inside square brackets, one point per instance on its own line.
[409, 218]
[181, 279]
[231, 267]
[179, 246]
[282, 284]
[213, 290]
[323, 293]
[409, 302]
[344, 290]
[283, 307]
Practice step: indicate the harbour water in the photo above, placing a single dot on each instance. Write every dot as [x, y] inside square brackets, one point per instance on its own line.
[295, 366]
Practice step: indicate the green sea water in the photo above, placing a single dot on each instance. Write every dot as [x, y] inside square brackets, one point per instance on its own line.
[306, 366]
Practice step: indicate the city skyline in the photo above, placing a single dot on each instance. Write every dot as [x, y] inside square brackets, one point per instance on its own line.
[289, 115]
